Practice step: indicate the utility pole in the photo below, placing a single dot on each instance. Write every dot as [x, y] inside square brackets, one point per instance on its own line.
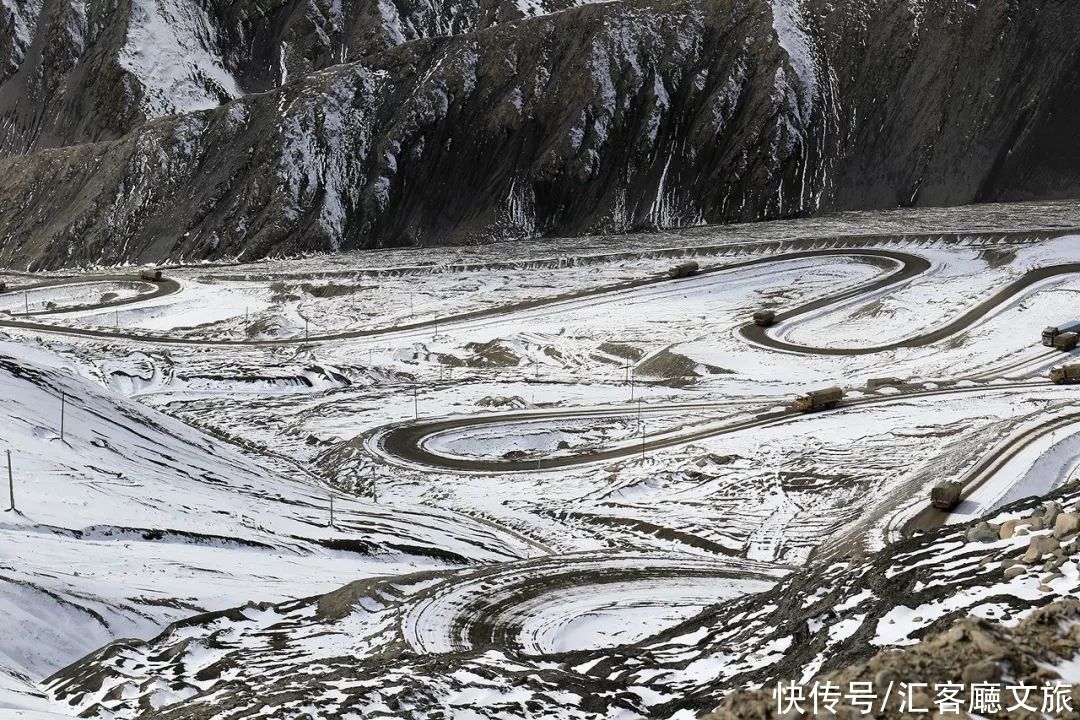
[415, 403]
[641, 428]
[117, 318]
[305, 328]
[11, 482]
[436, 328]
[63, 406]
[374, 490]
[632, 383]
[537, 365]
[26, 301]
[412, 310]
[331, 509]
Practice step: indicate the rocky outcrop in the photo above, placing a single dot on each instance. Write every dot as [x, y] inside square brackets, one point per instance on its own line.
[74, 72]
[607, 117]
[971, 652]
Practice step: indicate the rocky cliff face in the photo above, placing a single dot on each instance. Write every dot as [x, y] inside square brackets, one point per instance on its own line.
[145, 130]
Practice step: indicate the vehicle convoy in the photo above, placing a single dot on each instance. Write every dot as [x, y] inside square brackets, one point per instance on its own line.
[1066, 341]
[818, 399]
[150, 275]
[1064, 374]
[1048, 336]
[765, 318]
[946, 496]
[685, 269]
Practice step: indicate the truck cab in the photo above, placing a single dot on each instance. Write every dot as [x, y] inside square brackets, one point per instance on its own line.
[946, 496]
[1049, 335]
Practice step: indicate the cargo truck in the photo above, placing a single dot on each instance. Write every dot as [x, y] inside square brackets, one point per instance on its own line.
[946, 496]
[1066, 341]
[818, 400]
[764, 318]
[1065, 374]
[685, 269]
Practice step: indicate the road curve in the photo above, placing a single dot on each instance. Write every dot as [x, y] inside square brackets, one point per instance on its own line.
[406, 442]
[537, 606]
[162, 288]
[910, 266]
[984, 470]
[760, 336]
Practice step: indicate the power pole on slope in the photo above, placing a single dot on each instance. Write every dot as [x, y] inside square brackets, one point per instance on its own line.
[415, 403]
[641, 429]
[374, 489]
[331, 509]
[11, 483]
[63, 407]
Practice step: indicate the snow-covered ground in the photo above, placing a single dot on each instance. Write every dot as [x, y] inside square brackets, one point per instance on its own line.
[197, 477]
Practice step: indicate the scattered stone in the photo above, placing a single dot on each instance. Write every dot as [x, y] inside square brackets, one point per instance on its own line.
[1066, 524]
[1015, 571]
[1054, 565]
[1022, 532]
[885, 678]
[981, 672]
[1037, 523]
[1050, 512]
[982, 532]
[1009, 527]
[1040, 545]
[1046, 589]
[1047, 579]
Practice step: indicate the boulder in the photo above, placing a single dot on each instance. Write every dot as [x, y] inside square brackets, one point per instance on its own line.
[1053, 565]
[1050, 512]
[981, 672]
[1009, 527]
[1066, 524]
[1014, 571]
[1040, 545]
[982, 532]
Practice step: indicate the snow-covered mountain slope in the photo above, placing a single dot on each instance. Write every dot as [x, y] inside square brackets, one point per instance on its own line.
[342, 652]
[72, 71]
[133, 520]
[458, 123]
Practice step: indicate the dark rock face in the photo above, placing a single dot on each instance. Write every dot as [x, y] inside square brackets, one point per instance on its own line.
[459, 122]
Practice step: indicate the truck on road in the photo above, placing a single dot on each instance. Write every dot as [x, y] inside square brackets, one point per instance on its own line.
[818, 400]
[685, 269]
[946, 495]
[1048, 336]
[150, 275]
[765, 318]
[1066, 341]
[1065, 374]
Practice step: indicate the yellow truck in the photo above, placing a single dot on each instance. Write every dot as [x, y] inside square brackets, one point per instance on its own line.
[818, 400]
